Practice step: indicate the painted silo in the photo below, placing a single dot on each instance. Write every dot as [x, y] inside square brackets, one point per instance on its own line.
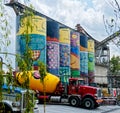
[53, 47]
[75, 54]
[37, 37]
[64, 40]
[83, 55]
[83, 63]
[83, 42]
[91, 46]
[91, 60]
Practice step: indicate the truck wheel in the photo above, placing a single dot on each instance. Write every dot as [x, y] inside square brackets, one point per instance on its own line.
[4, 108]
[118, 102]
[88, 103]
[74, 101]
[41, 101]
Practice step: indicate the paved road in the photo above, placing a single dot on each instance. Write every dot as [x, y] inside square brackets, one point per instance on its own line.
[69, 109]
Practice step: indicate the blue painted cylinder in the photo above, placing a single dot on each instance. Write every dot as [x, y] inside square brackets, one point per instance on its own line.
[83, 63]
[83, 42]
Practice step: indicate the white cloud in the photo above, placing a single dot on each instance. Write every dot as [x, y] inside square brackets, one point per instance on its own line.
[71, 12]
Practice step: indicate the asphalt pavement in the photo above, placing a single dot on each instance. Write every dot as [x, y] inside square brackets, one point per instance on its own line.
[54, 108]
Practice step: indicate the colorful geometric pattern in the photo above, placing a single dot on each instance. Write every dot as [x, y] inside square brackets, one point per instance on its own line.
[64, 68]
[53, 57]
[53, 47]
[64, 55]
[35, 54]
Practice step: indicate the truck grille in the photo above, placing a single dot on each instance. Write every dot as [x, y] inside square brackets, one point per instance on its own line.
[99, 92]
[36, 110]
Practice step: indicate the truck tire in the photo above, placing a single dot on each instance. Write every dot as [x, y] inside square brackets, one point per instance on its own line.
[118, 102]
[88, 103]
[74, 101]
[5, 109]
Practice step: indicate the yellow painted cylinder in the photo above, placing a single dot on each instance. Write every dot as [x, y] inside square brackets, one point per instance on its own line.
[50, 81]
[37, 25]
[64, 36]
[91, 46]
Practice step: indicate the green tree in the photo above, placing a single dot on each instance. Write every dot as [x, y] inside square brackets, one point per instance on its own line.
[115, 65]
[115, 71]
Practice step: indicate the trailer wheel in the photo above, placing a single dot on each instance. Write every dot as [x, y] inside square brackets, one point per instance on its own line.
[88, 103]
[74, 101]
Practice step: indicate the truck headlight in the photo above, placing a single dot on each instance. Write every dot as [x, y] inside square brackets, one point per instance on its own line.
[16, 104]
[96, 95]
[99, 92]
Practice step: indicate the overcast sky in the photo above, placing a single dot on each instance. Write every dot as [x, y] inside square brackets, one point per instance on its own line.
[88, 13]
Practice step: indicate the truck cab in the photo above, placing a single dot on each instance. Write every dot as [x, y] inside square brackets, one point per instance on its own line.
[74, 84]
[14, 99]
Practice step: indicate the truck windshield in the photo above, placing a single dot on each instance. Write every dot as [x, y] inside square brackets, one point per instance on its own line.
[81, 82]
[25, 99]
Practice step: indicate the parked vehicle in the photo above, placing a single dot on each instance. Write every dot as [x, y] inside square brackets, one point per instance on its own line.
[14, 99]
[76, 93]
[118, 100]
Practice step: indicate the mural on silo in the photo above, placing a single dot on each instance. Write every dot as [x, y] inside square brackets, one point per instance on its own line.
[37, 37]
[53, 47]
[75, 54]
[83, 63]
[91, 46]
[91, 60]
[83, 55]
[91, 64]
[64, 39]
[83, 42]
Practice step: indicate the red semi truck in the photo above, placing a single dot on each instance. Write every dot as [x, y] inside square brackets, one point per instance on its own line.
[76, 93]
